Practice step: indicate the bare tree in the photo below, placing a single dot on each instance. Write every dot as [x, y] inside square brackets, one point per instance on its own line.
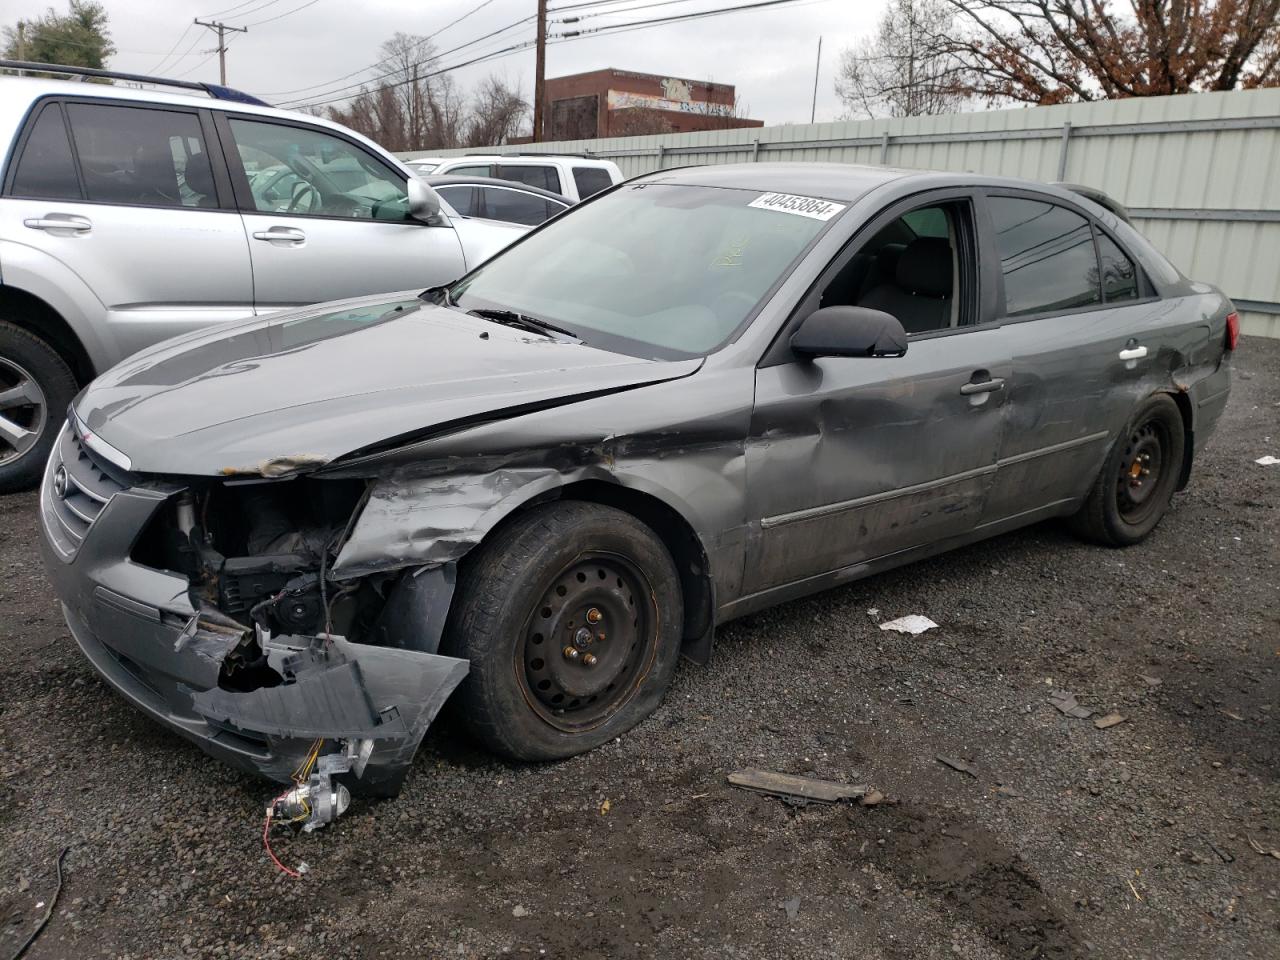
[496, 114]
[1054, 51]
[903, 70]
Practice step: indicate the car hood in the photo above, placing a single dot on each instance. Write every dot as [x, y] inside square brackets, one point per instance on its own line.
[268, 396]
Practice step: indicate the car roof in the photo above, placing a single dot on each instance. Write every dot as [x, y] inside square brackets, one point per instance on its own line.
[18, 93]
[831, 181]
[520, 158]
[449, 180]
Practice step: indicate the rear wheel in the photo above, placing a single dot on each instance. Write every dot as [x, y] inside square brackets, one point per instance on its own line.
[571, 617]
[1136, 485]
[36, 385]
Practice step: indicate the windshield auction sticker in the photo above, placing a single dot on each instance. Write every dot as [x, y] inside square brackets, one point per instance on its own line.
[809, 207]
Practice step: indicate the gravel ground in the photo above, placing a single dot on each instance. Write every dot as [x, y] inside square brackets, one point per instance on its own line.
[1132, 841]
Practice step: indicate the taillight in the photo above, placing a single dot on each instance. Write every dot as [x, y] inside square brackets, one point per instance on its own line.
[1233, 330]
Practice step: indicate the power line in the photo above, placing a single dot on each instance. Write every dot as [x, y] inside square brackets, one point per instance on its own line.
[238, 6]
[674, 18]
[505, 51]
[425, 60]
[182, 36]
[281, 16]
[378, 63]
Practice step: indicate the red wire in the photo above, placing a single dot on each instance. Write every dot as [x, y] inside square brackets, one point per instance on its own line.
[266, 841]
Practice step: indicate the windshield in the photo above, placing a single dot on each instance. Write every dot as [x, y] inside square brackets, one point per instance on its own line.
[660, 270]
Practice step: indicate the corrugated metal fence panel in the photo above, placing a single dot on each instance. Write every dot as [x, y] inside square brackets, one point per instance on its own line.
[1197, 191]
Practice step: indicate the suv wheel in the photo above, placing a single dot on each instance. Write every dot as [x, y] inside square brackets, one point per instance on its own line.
[36, 385]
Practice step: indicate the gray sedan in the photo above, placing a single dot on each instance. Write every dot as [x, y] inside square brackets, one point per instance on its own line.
[698, 394]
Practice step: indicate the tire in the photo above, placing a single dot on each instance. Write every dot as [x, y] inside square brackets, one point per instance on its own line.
[1138, 479]
[555, 586]
[36, 386]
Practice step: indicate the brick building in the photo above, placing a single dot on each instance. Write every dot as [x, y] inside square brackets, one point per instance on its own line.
[619, 103]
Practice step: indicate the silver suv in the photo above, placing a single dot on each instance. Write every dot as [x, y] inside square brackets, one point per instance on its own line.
[129, 215]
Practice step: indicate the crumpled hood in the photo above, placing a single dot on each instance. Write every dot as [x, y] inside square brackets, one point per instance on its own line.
[314, 384]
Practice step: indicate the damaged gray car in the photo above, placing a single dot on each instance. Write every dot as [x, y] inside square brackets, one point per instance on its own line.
[699, 394]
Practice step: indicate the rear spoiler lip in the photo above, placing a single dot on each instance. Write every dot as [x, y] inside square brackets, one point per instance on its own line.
[1099, 197]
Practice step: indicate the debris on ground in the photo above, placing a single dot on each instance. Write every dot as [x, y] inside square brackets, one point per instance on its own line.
[1007, 791]
[519, 911]
[1231, 714]
[53, 902]
[1223, 855]
[1267, 461]
[959, 765]
[792, 907]
[793, 788]
[874, 613]
[1110, 720]
[913, 623]
[1149, 680]
[1265, 851]
[1066, 703]
[873, 799]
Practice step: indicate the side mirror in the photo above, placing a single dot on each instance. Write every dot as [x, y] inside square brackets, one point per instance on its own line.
[849, 332]
[424, 203]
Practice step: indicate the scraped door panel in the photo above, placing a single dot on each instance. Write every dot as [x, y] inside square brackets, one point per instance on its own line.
[850, 459]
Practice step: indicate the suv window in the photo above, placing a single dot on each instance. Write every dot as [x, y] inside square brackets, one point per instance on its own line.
[534, 174]
[474, 170]
[1119, 278]
[912, 269]
[137, 155]
[516, 206]
[47, 168]
[1047, 256]
[305, 172]
[590, 180]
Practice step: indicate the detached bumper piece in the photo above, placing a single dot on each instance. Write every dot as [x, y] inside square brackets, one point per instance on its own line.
[376, 700]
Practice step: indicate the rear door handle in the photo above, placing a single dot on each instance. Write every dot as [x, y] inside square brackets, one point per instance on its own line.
[288, 236]
[1133, 353]
[60, 221]
[983, 386]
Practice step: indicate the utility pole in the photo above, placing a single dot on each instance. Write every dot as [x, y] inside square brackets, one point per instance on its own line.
[222, 29]
[817, 68]
[540, 72]
[22, 45]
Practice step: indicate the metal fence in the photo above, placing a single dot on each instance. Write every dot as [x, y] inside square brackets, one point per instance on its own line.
[1200, 173]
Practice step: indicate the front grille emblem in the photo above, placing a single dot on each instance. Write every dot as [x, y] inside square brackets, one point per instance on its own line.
[60, 483]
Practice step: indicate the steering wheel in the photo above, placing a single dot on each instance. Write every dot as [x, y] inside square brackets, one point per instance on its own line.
[303, 190]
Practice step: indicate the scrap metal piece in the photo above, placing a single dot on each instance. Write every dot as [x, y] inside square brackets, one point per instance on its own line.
[790, 786]
[1066, 703]
[958, 765]
[1110, 720]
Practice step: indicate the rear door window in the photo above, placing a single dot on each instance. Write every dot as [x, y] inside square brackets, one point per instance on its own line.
[142, 156]
[514, 206]
[1046, 255]
[47, 169]
[591, 180]
[534, 174]
[461, 198]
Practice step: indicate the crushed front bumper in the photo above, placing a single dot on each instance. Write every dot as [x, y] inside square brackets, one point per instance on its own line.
[137, 626]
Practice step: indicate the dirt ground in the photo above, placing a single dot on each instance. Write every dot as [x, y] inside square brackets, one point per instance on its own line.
[1133, 841]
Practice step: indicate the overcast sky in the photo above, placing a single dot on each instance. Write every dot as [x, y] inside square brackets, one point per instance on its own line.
[768, 54]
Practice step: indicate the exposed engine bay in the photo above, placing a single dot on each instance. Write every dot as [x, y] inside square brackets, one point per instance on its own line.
[340, 678]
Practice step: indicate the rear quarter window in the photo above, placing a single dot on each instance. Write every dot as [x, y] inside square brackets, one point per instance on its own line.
[591, 180]
[534, 174]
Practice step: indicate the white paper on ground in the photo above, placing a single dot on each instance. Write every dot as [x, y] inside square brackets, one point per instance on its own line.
[1268, 460]
[912, 623]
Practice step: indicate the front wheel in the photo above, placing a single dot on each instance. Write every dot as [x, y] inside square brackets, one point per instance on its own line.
[1133, 491]
[36, 386]
[571, 617]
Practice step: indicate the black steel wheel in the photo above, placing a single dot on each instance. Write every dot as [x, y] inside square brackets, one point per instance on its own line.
[588, 643]
[571, 618]
[1136, 484]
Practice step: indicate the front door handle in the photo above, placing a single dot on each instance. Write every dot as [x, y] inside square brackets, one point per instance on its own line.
[1133, 353]
[983, 386]
[60, 221]
[286, 236]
